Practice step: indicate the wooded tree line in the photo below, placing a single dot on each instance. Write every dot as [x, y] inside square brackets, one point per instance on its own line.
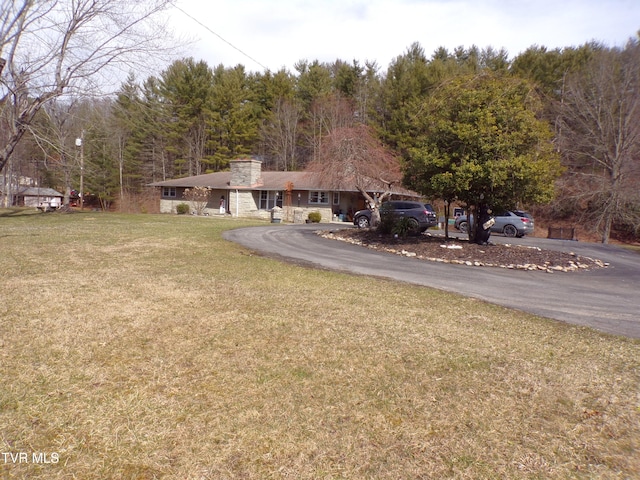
[192, 119]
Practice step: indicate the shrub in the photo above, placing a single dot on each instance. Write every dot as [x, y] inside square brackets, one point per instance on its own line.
[387, 222]
[315, 217]
[404, 227]
[182, 208]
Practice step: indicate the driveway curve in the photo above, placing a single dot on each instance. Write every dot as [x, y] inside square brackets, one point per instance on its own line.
[606, 299]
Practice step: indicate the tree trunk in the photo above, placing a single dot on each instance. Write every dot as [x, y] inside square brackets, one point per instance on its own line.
[447, 213]
[606, 231]
[481, 234]
[374, 203]
[375, 216]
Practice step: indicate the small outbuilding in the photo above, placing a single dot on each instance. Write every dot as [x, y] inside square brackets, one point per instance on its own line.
[39, 197]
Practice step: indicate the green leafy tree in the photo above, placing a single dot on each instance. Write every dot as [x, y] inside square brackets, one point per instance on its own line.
[346, 77]
[156, 162]
[479, 141]
[548, 68]
[407, 83]
[314, 81]
[494, 60]
[269, 88]
[315, 84]
[127, 127]
[101, 167]
[367, 93]
[186, 87]
[411, 79]
[233, 117]
[280, 116]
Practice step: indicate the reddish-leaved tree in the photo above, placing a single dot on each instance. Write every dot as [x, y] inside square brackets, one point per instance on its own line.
[353, 157]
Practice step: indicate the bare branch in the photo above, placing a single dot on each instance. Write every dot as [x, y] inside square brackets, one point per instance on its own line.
[58, 47]
[353, 157]
[600, 137]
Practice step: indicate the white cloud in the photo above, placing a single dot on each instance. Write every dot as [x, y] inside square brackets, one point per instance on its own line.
[278, 33]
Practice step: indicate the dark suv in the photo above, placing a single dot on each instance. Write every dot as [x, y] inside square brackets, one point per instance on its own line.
[421, 215]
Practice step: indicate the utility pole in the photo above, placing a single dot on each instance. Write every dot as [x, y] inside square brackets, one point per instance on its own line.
[80, 143]
[5, 188]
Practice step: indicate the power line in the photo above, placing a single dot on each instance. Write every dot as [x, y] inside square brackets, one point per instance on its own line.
[221, 38]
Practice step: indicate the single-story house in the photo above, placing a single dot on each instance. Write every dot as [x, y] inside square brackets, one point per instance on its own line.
[247, 191]
[38, 197]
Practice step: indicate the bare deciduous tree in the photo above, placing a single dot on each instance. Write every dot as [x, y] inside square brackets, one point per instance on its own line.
[280, 135]
[599, 135]
[353, 157]
[327, 113]
[56, 138]
[53, 47]
[199, 198]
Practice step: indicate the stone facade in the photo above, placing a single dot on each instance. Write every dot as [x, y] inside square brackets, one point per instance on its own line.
[246, 173]
[249, 192]
[245, 201]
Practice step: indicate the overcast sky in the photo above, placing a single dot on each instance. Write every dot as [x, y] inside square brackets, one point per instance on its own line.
[270, 34]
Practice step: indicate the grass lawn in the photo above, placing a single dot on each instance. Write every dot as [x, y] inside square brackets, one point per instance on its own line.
[146, 346]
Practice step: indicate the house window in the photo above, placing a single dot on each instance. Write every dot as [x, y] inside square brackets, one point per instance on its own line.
[269, 199]
[169, 192]
[319, 198]
[336, 198]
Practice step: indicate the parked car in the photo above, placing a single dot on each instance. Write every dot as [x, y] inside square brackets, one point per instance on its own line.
[514, 223]
[422, 215]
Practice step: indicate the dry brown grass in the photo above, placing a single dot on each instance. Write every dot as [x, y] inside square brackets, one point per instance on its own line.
[147, 347]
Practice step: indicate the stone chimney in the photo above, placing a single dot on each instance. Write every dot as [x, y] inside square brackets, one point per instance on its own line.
[245, 172]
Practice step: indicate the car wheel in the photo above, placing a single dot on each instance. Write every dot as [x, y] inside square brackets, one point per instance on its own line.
[463, 227]
[414, 226]
[362, 221]
[510, 231]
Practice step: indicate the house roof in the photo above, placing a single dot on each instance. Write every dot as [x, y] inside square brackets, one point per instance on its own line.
[272, 181]
[222, 180]
[38, 192]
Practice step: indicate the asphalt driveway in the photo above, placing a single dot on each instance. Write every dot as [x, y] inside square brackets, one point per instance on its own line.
[606, 299]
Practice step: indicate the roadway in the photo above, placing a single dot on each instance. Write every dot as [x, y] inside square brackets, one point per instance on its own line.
[607, 299]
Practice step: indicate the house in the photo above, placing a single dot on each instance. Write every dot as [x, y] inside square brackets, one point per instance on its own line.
[247, 191]
[38, 197]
